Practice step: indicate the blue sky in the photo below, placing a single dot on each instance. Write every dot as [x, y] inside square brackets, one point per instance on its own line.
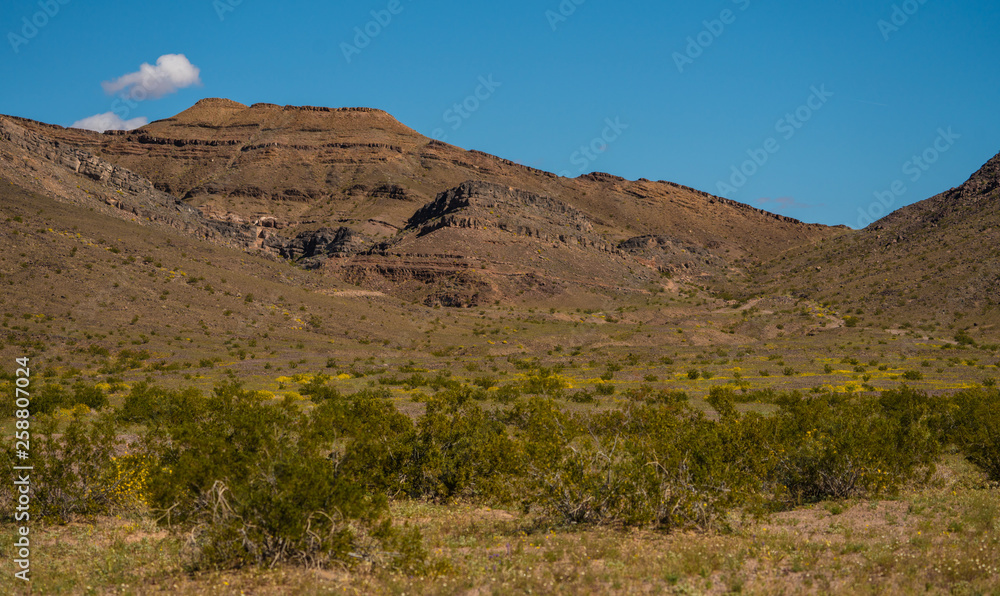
[815, 110]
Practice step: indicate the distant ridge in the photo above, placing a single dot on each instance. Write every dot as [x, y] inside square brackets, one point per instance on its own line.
[355, 192]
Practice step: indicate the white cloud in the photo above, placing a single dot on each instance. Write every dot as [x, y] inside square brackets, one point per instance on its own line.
[109, 121]
[172, 72]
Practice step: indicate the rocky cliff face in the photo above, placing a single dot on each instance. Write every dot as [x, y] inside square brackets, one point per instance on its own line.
[483, 205]
[312, 248]
[132, 194]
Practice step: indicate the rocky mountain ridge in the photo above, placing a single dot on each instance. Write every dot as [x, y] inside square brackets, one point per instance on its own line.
[356, 194]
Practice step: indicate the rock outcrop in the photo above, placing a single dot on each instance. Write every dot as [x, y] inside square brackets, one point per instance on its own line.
[132, 194]
[312, 248]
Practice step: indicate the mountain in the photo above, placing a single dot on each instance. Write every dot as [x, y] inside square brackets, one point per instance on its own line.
[934, 264]
[358, 195]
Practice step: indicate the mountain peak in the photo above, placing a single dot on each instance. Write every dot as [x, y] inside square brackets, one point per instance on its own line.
[985, 181]
[209, 102]
[218, 120]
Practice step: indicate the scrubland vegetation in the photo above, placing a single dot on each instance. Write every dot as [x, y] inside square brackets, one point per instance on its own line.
[339, 482]
[205, 421]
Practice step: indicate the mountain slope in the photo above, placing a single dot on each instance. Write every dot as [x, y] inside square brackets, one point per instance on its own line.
[935, 263]
[311, 183]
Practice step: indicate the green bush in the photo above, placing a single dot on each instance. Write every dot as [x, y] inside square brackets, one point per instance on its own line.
[667, 397]
[89, 395]
[660, 465]
[460, 450]
[760, 396]
[964, 339]
[486, 382]
[154, 406]
[49, 397]
[581, 396]
[317, 389]
[976, 428]
[253, 483]
[125, 360]
[834, 446]
[78, 470]
[374, 441]
[544, 381]
[604, 389]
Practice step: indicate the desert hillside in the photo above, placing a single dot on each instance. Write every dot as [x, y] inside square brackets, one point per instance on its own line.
[934, 264]
[314, 183]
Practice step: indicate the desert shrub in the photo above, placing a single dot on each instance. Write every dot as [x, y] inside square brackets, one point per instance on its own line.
[667, 397]
[460, 450]
[89, 395]
[834, 446]
[553, 472]
[641, 393]
[684, 471]
[252, 483]
[442, 380]
[48, 398]
[373, 441]
[581, 396]
[125, 360]
[544, 381]
[152, 405]
[485, 382]
[78, 470]
[456, 449]
[913, 375]
[415, 380]
[317, 389]
[507, 394]
[759, 396]
[975, 423]
[964, 339]
[604, 389]
[663, 465]
[918, 423]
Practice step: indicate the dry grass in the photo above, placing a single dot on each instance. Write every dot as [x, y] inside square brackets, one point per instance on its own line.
[942, 539]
